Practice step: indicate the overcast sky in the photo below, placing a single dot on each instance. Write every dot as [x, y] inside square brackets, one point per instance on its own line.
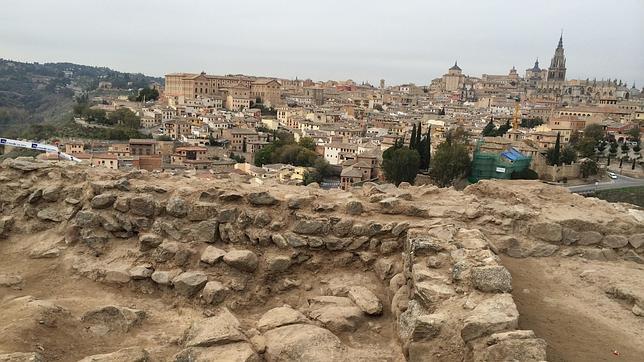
[398, 40]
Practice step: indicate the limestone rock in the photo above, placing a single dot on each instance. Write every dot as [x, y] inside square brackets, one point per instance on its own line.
[122, 204]
[113, 319]
[103, 201]
[10, 280]
[303, 342]
[631, 255]
[588, 237]
[149, 241]
[338, 314]
[431, 293]
[515, 346]
[177, 207]
[142, 205]
[140, 272]
[547, 231]
[495, 314]
[85, 218]
[309, 227]
[164, 277]
[214, 292]
[21, 357]
[279, 240]
[493, 279]
[415, 324]
[277, 263]
[6, 222]
[51, 193]
[118, 275]
[280, 316]
[354, 207]
[262, 198]
[365, 300]
[614, 241]
[220, 329]
[189, 283]
[244, 260]
[211, 255]
[132, 354]
[232, 352]
[636, 240]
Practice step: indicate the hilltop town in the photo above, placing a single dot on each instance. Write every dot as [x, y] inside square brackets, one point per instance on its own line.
[532, 124]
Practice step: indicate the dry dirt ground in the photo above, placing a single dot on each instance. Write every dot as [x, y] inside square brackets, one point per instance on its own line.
[30, 322]
[564, 301]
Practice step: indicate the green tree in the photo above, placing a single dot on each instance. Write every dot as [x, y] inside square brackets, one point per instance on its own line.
[307, 142]
[125, 117]
[450, 162]
[244, 147]
[419, 134]
[389, 151]
[264, 156]
[412, 139]
[504, 128]
[586, 147]
[147, 94]
[634, 133]
[489, 130]
[588, 168]
[594, 132]
[526, 174]
[613, 149]
[556, 153]
[568, 155]
[402, 166]
[457, 135]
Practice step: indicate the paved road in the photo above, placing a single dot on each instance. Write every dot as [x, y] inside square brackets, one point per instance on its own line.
[620, 182]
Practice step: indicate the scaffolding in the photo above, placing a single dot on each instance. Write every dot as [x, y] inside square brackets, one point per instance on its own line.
[489, 165]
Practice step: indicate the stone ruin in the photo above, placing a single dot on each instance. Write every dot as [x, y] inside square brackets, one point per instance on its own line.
[285, 273]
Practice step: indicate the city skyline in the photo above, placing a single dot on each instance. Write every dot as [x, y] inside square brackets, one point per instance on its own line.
[414, 43]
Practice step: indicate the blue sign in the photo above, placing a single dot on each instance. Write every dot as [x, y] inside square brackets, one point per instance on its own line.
[34, 145]
[2, 140]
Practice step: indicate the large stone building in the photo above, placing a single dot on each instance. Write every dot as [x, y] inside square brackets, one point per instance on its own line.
[245, 90]
[454, 78]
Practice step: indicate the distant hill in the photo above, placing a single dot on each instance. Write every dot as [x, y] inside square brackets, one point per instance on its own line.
[35, 93]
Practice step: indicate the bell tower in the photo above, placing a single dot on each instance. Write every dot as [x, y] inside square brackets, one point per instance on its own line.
[557, 69]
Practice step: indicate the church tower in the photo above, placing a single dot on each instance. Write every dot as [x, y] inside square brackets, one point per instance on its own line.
[557, 69]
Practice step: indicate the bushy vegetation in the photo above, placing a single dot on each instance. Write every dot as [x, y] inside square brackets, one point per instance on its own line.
[451, 161]
[284, 150]
[33, 93]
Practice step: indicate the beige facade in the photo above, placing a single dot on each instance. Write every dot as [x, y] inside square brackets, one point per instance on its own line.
[268, 91]
[454, 78]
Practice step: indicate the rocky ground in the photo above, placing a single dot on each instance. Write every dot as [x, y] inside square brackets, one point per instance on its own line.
[100, 265]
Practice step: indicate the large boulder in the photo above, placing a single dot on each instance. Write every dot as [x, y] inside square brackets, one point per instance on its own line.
[103, 201]
[514, 346]
[232, 352]
[221, 328]
[277, 263]
[113, 319]
[214, 292]
[132, 354]
[636, 240]
[365, 300]
[309, 227]
[431, 293]
[493, 279]
[164, 277]
[416, 324]
[303, 342]
[189, 283]
[614, 241]
[142, 205]
[547, 231]
[339, 314]
[495, 314]
[244, 260]
[262, 198]
[280, 316]
[211, 255]
[177, 207]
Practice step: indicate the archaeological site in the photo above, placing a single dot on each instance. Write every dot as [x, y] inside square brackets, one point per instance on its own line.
[104, 265]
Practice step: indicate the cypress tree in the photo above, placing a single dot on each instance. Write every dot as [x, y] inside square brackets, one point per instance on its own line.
[419, 134]
[557, 152]
[412, 139]
[429, 145]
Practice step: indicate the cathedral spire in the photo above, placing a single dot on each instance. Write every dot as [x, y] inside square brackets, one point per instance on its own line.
[560, 45]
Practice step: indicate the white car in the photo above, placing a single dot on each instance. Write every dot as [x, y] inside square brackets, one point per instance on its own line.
[612, 175]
